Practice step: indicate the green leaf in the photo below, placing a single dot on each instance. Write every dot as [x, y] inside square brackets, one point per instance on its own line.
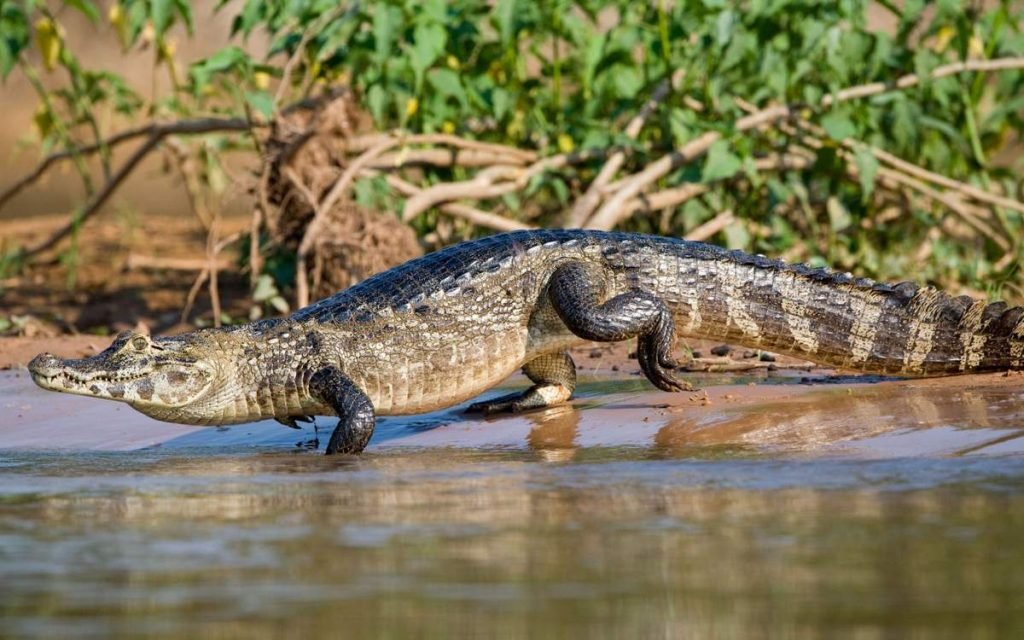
[627, 81]
[447, 83]
[428, 43]
[160, 10]
[504, 15]
[265, 288]
[184, 8]
[86, 8]
[386, 21]
[261, 101]
[838, 216]
[838, 126]
[376, 99]
[867, 169]
[500, 101]
[721, 162]
[224, 59]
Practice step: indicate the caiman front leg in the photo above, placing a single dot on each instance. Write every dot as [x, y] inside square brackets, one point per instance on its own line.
[578, 298]
[355, 412]
[554, 378]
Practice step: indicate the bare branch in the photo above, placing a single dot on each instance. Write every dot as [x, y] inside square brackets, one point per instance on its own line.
[608, 215]
[613, 210]
[97, 200]
[467, 213]
[481, 187]
[910, 80]
[711, 227]
[151, 130]
[588, 202]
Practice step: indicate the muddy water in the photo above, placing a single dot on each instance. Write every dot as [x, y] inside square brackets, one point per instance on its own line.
[830, 510]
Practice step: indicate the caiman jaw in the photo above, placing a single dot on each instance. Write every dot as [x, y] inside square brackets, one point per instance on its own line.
[134, 369]
[50, 372]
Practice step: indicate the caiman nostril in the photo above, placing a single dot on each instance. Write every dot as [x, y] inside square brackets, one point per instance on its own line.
[43, 361]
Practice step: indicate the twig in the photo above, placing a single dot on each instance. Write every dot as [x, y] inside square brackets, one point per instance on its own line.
[588, 202]
[153, 129]
[444, 158]
[910, 80]
[470, 214]
[963, 188]
[363, 143]
[711, 227]
[608, 215]
[140, 261]
[97, 200]
[196, 126]
[481, 187]
[204, 274]
[193, 292]
[675, 196]
[612, 211]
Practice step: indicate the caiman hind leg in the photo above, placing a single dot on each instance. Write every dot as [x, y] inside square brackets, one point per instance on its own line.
[554, 378]
[578, 299]
[355, 412]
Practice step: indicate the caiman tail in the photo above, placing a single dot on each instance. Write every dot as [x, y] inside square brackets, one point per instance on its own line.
[846, 322]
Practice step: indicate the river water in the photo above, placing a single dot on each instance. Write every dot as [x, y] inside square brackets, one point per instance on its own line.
[733, 527]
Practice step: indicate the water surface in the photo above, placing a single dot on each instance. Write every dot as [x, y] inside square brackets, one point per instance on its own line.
[844, 511]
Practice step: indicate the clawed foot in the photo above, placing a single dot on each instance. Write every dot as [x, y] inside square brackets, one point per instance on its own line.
[536, 397]
[291, 421]
[510, 403]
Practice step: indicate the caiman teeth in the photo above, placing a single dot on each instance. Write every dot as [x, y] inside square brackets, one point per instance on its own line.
[82, 379]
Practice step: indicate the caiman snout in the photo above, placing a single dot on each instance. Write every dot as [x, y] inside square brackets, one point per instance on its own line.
[48, 371]
[45, 364]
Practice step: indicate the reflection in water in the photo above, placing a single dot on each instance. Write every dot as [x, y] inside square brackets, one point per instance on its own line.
[812, 421]
[554, 433]
[443, 543]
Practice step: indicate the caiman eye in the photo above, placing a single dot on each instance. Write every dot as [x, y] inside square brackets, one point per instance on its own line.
[139, 343]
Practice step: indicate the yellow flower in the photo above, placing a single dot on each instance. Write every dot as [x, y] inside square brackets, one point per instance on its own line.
[453, 63]
[411, 107]
[448, 127]
[975, 48]
[943, 38]
[261, 79]
[565, 143]
[48, 39]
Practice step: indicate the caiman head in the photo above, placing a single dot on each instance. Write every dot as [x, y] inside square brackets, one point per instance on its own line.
[155, 375]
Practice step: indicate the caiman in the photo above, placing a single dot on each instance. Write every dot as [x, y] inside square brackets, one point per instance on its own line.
[439, 330]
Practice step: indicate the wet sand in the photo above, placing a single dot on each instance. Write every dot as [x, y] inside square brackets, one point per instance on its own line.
[761, 415]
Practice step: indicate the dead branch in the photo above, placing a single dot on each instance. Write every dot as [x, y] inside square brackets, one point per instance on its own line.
[151, 130]
[611, 212]
[456, 157]
[910, 80]
[711, 227]
[159, 263]
[465, 212]
[97, 200]
[484, 185]
[588, 202]
[909, 168]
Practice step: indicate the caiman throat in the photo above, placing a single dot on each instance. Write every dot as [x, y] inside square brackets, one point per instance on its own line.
[441, 329]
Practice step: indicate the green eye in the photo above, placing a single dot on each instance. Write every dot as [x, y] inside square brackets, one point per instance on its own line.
[140, 343]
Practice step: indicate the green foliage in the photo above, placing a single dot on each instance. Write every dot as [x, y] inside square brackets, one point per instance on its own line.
[561, 76]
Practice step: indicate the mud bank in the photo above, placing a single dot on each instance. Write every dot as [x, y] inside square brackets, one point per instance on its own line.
[758, 414]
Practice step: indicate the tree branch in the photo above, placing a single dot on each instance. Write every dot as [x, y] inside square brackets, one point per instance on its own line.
[588, 202]
[608, 215]
[153, 129]
[97, 200]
